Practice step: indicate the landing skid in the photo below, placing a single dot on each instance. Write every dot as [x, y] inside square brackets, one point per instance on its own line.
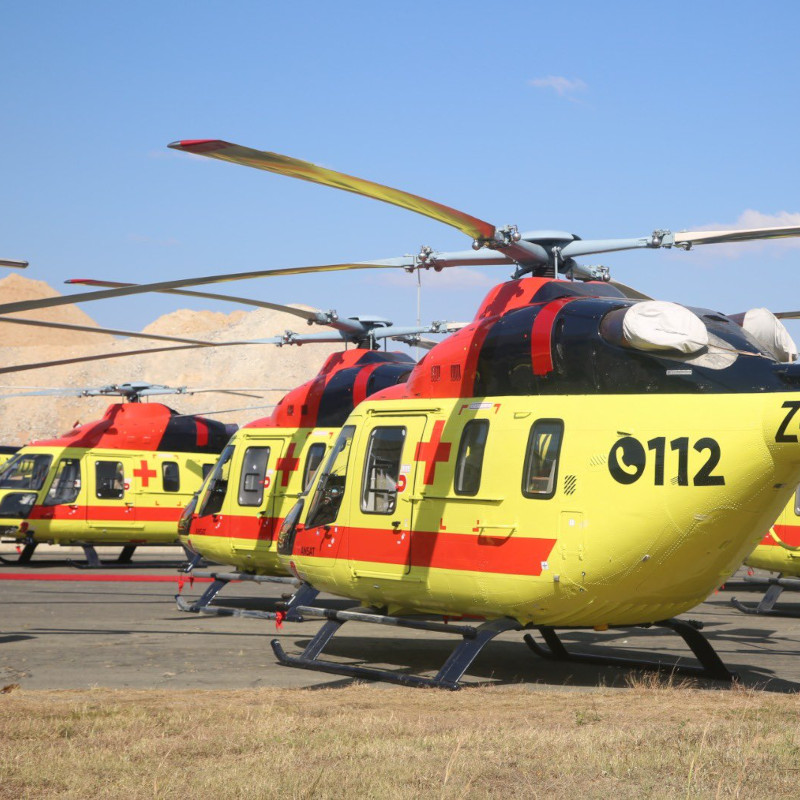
[303, 594]
[474, 639]
[710, 665]
[775, 587]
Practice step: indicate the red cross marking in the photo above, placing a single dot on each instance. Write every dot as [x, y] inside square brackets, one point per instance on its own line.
[287, 465]
[432, 452]
[145, 474]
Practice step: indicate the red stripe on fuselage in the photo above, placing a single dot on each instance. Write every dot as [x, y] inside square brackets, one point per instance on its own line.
[238, 527]
[510, 555]
[788, 534]
[542, 336]
[107, 513]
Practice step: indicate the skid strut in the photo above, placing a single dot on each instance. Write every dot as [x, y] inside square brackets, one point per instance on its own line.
[775, 587]
[710, 665]
[474, 638]
[304, 593]
[24, 557]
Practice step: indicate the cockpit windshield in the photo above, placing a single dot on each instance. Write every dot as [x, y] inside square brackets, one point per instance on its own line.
[216, 486]
[25, 471]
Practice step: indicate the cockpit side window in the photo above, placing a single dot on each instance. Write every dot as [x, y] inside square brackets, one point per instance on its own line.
[66, 485]
[541, 459]
[331, 485]
[314, 458]
[216, 484]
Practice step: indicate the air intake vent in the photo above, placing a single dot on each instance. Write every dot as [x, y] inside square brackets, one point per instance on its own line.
[455, 372]
[436, 373]
[570, 482]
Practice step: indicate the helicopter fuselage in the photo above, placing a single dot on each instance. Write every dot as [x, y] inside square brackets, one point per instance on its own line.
[124, 479]
[536, 466]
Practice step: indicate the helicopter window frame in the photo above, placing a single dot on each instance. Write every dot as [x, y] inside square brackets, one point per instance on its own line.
[252, 482]
[332, 483]
[315, 456]
[548, 463]
[797, 502]
[469, 462]
[109, 486]
[382, 463]
[215, 487]
[170, 482]
[56, 494]
[33, 481]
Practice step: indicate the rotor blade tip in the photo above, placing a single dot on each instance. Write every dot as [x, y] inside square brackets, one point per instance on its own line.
[198, 145]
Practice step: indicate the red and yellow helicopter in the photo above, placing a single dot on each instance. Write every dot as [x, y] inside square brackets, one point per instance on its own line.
[268, 463]
[575, 457]
[778, 551]
[120, 480]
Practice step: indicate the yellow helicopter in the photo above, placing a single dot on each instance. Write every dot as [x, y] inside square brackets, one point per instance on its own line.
[572, 458]
[235, 517]
[121, 480]
[778, 551]
[575, 457]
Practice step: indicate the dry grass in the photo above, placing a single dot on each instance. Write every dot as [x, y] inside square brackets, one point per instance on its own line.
[365, 741]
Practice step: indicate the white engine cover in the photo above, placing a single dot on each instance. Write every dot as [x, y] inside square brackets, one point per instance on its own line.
[659, 325]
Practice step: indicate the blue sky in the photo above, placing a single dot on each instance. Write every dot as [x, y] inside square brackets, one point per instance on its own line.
[601, 119]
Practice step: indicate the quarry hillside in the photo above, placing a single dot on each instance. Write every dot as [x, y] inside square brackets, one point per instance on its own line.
[265, 366]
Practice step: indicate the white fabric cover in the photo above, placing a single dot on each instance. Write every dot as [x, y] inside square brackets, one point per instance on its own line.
[658, 325]
[770, 333]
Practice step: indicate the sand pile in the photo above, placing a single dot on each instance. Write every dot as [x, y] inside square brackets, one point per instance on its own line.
[265, 367]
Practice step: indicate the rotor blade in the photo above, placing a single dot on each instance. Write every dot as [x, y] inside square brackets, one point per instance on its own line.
[224, 411]
[317, 317]
[787, 314]
[104, 356]
[416, 341]
[741, 235]
[12, 262]
[108, 331]
[304, 170]
[124, 291]
[629, 291]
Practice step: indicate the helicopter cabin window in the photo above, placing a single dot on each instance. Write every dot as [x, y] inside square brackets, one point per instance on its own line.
[254, 472]
[25, 471]
[67, 483]
[109, 480]
[170, 476]
[328, 495]
[469, 464]
[207, 470]
[382, 468]
[541, 459]
[314, 458]
[217, 485]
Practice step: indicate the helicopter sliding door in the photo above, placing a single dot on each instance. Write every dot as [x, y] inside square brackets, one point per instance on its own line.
[382, 514]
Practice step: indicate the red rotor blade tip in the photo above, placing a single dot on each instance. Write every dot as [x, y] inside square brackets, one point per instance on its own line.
[199, 145]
